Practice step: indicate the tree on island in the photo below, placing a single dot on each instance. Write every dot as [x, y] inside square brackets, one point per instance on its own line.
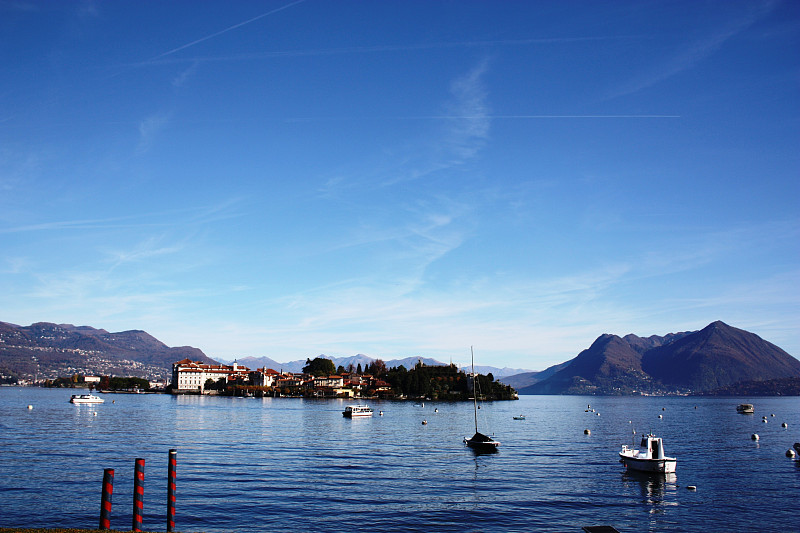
[319, 367]
[377, 368]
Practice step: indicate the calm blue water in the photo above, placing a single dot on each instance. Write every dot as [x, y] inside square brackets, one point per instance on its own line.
[297, 465]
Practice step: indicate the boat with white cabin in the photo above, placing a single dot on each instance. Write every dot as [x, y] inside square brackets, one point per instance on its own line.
[649, 458]
[745, 408]
[85, 398]
[353, 411]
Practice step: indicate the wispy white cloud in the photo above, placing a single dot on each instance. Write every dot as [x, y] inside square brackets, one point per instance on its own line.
[695, 51]
[464, 130]
[185, 74]
[226, 30]
[224, 210]
[149, 128]
[487, 44]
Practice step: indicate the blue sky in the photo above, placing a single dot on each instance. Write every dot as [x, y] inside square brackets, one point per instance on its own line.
[286, 179]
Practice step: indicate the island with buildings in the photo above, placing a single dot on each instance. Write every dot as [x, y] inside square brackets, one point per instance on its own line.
[320, 379]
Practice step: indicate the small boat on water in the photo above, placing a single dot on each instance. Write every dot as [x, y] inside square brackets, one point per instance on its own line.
[650, 458]
[479, 442]
[353, 411]
[520, 417]
[85, 398]
[745, 408]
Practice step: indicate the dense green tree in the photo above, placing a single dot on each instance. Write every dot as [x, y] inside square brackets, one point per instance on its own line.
[377, 368]
[320, 366]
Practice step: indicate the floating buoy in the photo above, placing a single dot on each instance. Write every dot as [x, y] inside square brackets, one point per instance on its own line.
[754, 436]
[380, 413]
[598, 414]
[634, 432]
[784, 425]
[691, 487]
[660, 416]
[30, 407]
[424, 422]
[773, 414]
[663, 408]
[113, 401]
[587, 432]
[94, 413]
[790, 453]
[436, 410]
[765, 420]
[423, 404]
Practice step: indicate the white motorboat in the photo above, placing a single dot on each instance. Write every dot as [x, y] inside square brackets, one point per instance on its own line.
[352, 411]
[649, 458]
[745, 408]
[85, 398]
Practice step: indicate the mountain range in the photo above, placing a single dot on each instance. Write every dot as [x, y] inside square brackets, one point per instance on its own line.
[364, 361]
[718, 357]
[46, 351]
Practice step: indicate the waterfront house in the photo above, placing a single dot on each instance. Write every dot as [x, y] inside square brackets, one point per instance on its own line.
[191, 376]
[329, 381]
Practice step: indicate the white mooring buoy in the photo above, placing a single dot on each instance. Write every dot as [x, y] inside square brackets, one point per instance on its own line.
[754, 436]
[790, 453]
[30, 407]
[587, 432]
[660, 416]
[784, 425]
[692, 487]
[424, 422]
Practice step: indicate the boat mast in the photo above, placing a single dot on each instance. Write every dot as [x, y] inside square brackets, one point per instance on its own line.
[474, 388]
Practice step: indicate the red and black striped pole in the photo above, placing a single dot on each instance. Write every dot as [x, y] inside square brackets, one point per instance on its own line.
[105, 503]
[173, 461]
[138, 495]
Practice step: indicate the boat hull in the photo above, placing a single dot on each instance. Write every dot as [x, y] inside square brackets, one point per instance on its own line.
[482, 443]
[357, 411]
[86, 399]
[654, 466]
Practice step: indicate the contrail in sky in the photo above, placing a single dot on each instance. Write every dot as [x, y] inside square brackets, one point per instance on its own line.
[226, 30]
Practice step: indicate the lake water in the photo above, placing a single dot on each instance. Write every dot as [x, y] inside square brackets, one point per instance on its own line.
[267, 465]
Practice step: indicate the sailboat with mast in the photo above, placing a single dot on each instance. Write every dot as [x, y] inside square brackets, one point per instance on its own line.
[479, 442]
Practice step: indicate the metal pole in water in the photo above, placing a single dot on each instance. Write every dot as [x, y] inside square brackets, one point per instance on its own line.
[173, 454]
[138, 495]
[105, 502]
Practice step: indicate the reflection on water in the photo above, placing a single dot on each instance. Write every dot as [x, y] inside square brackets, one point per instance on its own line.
[657, 490]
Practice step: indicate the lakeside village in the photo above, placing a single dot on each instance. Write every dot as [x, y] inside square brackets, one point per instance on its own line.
[319, 379]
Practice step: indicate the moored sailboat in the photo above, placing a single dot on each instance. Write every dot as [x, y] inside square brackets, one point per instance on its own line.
[479, 442]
